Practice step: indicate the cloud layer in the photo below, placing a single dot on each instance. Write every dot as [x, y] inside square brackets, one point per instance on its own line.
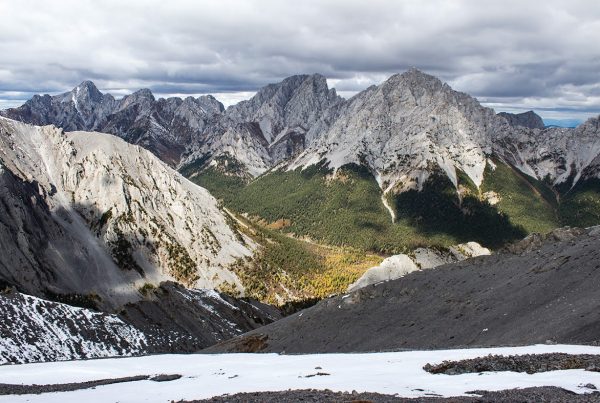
[510, 54]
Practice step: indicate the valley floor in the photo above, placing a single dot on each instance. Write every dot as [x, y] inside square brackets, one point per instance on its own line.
[204, 375]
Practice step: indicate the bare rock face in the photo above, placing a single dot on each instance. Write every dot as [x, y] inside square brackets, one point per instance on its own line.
[559, 155]
[279, 122]
[414, 124]
[402, 130]
[528, 119]
[275, 124]
[88, 213]
[405, 128]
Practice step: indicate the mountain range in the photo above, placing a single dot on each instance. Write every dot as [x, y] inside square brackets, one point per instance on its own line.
[408, 163]
[301, 191]
[405, 164]
[400, 130]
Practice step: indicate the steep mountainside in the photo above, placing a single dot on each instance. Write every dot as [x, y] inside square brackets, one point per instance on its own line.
[413, 124]
[347, 207]
[448, 171]
[405, 128]
[88, 214]
[562, 157]
[401, 130]
[275, 124]
[170, 319]
[543, 289]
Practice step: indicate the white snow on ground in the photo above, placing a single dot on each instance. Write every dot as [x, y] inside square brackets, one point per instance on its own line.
[212, 375]
[34, 329]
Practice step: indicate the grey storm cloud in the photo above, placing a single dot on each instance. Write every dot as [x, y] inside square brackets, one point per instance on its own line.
[509, 54]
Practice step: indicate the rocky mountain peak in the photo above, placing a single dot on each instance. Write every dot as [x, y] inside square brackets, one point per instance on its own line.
[210, 104]
[143, 93]
[274, 98]
[414, 75]
[425, 90]
[528, 119]
[143, 99]
[278, 122]
[416, 81]
[399, 129]
[404, 129]
[292, 105]
[86, 92]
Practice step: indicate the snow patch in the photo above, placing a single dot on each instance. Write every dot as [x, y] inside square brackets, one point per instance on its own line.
[205, 376]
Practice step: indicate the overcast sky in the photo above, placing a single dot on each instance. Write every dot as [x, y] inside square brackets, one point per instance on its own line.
[512, 55]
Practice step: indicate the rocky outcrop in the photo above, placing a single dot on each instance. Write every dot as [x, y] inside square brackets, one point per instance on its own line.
[391, 268]
[397, 266]
[528, 119]
[89, 214]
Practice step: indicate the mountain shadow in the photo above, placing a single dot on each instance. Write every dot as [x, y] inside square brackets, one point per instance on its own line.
[437, 209]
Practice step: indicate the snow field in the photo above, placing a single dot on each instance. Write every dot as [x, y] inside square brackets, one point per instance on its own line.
[211, 375]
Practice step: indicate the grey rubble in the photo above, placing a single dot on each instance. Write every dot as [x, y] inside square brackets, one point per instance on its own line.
[542, 290]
